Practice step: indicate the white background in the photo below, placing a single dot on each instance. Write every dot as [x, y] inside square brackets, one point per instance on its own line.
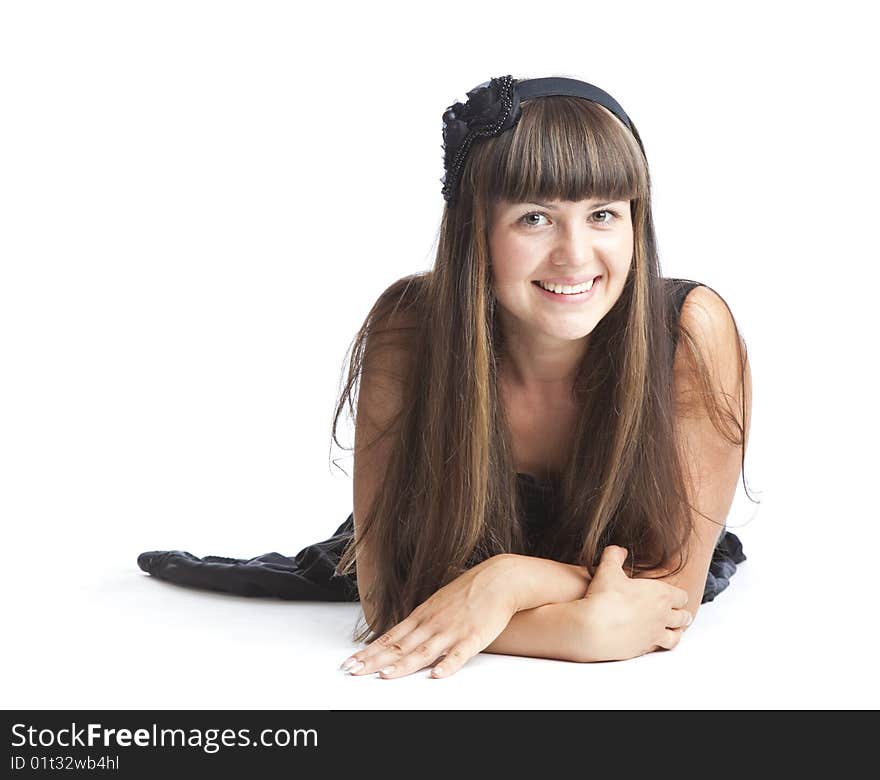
[199, 203]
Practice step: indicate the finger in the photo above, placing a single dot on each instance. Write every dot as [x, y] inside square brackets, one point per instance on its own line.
[679, 597]
[457, 656]
[387, 647]
[613, 555]
[422, 655]
[403, 656]
[670, 638]
[679, 618]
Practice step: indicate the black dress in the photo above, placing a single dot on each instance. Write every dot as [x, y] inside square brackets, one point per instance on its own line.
[310, 574]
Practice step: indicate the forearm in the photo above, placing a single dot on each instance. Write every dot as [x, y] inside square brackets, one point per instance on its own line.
[552, 619]
[537, 582]
[547, 631]
[547, 622]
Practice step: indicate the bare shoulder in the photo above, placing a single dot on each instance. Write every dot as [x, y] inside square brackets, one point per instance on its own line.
[393, 329]
[396, 314]
[714, 349]
[705, 310]
[710, 323]
[388, 360]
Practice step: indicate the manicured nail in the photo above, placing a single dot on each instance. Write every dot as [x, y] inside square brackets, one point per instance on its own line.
[356, 668]
[438, 670]
[348, 663]
[386, 670]
[690, 619]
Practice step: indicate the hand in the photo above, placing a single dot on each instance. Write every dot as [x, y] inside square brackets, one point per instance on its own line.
[458, 621]
[626, 617]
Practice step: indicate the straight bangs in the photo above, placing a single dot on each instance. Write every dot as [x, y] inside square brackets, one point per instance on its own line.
[562, 148]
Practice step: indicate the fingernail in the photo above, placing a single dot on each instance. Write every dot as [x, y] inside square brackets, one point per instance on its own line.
[438, 670]
[690, 619]
[347, 664]
[356, 668]
[386, 670]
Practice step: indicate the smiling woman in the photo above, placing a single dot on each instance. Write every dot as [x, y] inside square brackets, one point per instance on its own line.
[548, 431]
[569, 263]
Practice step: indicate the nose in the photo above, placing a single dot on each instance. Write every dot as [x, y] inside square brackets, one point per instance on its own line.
[574, 247]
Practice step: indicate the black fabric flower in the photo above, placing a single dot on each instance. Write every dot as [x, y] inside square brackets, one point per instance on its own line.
[491, 108]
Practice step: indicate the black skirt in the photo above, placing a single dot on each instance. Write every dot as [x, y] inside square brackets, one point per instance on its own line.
[310, 574]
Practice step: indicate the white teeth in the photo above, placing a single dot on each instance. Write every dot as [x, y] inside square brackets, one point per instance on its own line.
[568, 289]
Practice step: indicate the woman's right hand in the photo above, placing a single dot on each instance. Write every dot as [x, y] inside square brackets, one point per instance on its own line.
[625, 617]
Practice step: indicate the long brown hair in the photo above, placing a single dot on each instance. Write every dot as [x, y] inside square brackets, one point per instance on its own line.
[449, 498]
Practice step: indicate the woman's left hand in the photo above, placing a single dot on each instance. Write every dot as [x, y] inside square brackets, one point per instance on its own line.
[458, 621]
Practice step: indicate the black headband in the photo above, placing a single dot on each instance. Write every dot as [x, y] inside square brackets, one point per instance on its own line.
[494, 107]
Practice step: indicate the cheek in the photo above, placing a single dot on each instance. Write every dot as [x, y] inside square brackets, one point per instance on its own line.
[619, 253]
[510, 266]
[629, 242]
[616, 244]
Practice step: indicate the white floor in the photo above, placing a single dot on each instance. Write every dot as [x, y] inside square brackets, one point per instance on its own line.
[102, 634]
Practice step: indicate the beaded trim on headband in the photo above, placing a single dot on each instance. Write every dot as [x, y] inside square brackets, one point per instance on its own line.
[491, 108]
[494, 106]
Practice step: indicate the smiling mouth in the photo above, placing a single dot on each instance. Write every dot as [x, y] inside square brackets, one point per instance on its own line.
[593, 283]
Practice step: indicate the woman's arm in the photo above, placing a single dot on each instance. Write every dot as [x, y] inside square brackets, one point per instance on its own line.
[541, 581]
[548, 598]
[618, 618]
[548, 631]
[547, 621]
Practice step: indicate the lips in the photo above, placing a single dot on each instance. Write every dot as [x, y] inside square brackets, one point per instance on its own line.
[570, 299]
[571, 284]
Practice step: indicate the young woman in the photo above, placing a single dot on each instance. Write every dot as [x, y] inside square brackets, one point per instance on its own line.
[549, 434]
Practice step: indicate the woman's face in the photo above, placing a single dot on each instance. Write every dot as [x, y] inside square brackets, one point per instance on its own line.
[566, 242]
